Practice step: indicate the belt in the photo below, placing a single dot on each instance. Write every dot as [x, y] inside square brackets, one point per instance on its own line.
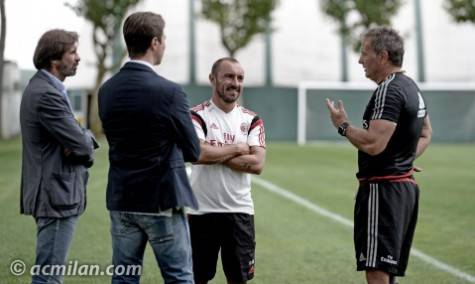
[407, 177]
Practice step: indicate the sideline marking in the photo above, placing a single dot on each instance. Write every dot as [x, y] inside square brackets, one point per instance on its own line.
[342, 220]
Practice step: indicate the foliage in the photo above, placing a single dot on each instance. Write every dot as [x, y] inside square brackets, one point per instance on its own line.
[461, 10]
[238, 20]
[377, 12]
[369, 13]
[373, 13]
[106, 17]
[338, 10]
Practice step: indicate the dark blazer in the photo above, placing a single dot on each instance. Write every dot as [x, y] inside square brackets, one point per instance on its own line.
[52, 184]
[147, 123]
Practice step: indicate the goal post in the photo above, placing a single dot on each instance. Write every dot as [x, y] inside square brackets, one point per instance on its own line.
[303, 89]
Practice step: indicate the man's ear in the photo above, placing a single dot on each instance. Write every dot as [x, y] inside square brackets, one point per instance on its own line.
[384, 56]
[54, 63]
[211, 77]
[155, 42]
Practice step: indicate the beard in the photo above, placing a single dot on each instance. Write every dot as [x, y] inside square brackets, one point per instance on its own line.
[67, 71]
[229, 99]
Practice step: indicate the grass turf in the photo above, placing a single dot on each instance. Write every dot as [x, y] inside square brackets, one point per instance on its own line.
[294, 245]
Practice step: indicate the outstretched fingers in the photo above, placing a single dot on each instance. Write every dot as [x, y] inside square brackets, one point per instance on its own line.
[341, 107]
[330, 105]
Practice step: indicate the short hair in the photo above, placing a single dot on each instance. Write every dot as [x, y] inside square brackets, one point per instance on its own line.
[386, 38]
[139, 30]
[217, 63]
[52, 45]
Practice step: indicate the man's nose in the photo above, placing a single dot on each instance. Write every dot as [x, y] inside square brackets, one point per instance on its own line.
[235, 81]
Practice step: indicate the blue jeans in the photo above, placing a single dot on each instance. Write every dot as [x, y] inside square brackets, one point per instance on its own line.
[54, 236]
[169, 238]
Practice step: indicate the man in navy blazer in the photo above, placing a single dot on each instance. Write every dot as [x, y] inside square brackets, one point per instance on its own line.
[147, 123]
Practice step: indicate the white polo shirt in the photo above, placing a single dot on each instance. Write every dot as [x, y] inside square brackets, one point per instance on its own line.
[217, 187]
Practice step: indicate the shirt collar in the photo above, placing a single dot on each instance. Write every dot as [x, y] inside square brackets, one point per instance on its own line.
[213, 105]
[55, 81]
[143, 62]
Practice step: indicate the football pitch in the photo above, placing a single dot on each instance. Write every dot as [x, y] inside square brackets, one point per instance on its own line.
[304, 207]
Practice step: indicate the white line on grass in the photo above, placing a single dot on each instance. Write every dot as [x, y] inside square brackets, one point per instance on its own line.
[342, 220]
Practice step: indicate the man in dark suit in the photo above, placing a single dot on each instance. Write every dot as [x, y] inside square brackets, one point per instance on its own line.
[148, 126]
[56, 152]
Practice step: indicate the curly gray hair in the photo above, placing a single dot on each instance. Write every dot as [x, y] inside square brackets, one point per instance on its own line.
[386, 38]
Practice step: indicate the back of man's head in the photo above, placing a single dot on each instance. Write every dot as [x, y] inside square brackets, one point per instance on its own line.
[52, 45]
[139, 30]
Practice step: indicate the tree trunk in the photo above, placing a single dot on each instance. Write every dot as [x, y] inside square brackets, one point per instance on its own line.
[192, 43]
[268, 55]
[421, 72]
[94, 120]
[344, 57]
[3, 30]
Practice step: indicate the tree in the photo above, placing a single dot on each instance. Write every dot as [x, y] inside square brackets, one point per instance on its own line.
[461, 10]
[376, 11]
[106, 17]
[373, 13]
[238, 20]
[339, 10]
[367, 14]
[3, 36]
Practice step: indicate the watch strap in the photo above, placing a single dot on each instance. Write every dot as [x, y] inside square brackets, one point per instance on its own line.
[343, 128]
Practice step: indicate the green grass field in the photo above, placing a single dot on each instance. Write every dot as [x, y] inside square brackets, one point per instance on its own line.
[294, 244]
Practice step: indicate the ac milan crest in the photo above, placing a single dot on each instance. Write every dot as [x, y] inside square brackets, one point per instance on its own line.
[244, 128]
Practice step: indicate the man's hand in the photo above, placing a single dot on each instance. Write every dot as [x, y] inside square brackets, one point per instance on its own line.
[417, 169]
[87, 163]
[242, 148]
[337, 114]
[252, 163]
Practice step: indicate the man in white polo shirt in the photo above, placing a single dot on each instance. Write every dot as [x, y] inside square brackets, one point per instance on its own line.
[232, 147]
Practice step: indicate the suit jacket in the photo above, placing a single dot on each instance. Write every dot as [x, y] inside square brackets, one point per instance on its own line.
[147, 123]
[52, 184]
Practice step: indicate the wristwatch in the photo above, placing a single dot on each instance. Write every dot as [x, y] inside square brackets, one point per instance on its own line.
[342, 128]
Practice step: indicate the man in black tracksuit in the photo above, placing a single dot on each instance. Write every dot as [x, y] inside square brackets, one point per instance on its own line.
[396, 130]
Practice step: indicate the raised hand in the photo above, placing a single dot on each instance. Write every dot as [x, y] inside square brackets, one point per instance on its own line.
[337, 114]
